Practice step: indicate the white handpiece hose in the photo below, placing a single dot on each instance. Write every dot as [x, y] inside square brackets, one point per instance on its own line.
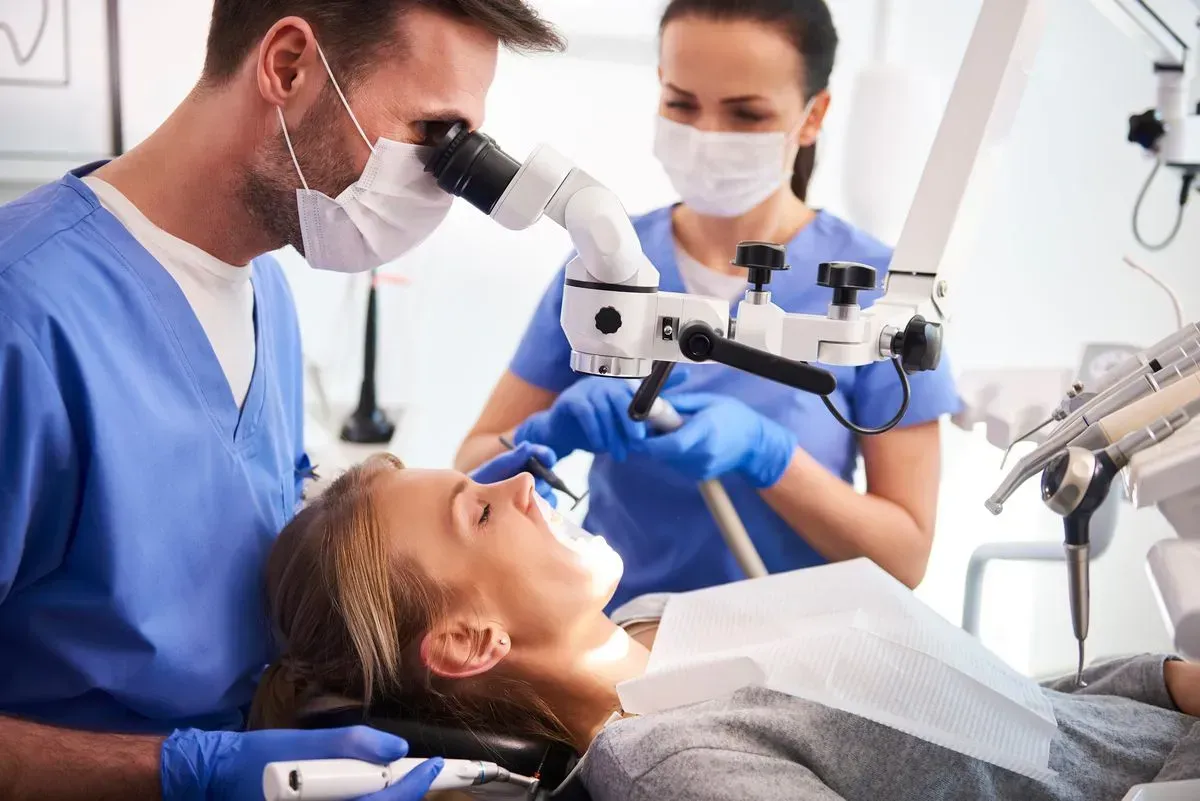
[347, 779]
[664, 418]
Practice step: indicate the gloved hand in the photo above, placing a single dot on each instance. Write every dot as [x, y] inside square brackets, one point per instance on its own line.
[228, 766]
[511, 463]
[591, 415]
[722, 435]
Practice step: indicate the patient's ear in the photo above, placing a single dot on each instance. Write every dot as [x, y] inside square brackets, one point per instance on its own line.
[459, 650]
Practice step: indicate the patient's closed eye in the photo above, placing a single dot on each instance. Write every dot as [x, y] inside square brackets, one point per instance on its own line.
[486, 515]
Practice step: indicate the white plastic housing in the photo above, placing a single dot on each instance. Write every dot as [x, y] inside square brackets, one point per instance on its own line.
[605, 239]
[323, 780]
[532, 188]
[640, 313]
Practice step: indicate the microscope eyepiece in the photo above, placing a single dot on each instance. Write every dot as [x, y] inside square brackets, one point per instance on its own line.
[470, 165]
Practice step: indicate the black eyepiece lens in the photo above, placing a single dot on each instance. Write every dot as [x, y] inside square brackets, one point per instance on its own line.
[470, 165]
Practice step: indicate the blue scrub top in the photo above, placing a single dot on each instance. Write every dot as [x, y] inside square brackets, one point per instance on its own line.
[137, 502]
[654, 517]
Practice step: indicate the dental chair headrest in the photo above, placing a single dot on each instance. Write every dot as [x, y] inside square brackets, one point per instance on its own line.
[549, 760]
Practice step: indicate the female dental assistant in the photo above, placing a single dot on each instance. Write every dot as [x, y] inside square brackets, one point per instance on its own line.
[744, 92]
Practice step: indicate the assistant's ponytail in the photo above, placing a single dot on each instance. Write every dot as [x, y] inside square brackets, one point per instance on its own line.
[802, 173]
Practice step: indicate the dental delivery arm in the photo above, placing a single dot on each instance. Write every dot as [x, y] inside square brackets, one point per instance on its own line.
[43, 763]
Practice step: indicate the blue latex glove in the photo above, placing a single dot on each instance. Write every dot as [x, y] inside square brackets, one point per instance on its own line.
[590, 415]
[511, 463]
[722, 435]
[228, 766]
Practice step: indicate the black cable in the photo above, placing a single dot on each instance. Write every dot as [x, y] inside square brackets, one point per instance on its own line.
[1137, 209]
[890, 424]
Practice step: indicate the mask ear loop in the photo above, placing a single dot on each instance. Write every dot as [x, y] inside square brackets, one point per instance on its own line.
[291, 150]
[345, 103]
[805, 114]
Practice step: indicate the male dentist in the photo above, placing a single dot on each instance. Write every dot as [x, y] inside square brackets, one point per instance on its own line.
[150, 386]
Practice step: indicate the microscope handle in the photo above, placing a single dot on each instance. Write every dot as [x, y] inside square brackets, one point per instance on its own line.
[647, 393]
[700, 342]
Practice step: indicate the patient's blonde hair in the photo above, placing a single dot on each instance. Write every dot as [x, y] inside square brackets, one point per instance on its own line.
[349, 617]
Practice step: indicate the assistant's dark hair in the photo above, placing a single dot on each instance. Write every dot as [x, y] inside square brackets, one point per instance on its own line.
[353, 33]
[807, 23]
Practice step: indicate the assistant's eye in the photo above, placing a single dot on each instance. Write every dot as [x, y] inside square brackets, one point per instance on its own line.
[749, 116]
[486, 515]
[681, 105]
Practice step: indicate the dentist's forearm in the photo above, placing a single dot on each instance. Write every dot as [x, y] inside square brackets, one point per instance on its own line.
[43, 763]
[840, 523]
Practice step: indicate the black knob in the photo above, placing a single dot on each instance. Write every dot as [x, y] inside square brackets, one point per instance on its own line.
[847, 279]
[1146, 129]
[761, 259]
[608, 320]
[919, 345]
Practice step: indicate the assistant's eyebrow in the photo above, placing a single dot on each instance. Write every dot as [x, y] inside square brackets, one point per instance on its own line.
[730, 101]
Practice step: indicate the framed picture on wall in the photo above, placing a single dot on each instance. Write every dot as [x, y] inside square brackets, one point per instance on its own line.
[60, 88]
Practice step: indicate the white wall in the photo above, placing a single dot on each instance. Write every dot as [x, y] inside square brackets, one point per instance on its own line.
[1046, 276]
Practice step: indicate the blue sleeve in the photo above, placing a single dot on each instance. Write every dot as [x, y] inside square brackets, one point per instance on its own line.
[38, 463]
[877, 394]
[544, 356]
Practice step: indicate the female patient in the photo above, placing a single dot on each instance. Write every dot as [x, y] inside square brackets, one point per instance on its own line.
[454, 601]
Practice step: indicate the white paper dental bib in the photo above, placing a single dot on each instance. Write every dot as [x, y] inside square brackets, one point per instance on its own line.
[851, 637]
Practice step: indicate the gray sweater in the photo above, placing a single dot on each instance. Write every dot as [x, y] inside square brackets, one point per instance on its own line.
[1120, 731]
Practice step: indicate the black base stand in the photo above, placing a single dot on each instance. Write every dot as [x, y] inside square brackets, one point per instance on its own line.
[369, 425]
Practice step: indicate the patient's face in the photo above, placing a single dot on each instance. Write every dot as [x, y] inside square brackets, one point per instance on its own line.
[492, 547]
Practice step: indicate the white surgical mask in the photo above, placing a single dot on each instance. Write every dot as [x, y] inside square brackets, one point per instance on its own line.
[393, 206]
[725, 174]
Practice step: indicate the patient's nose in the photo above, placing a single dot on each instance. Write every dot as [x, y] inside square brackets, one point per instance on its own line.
[522, 493]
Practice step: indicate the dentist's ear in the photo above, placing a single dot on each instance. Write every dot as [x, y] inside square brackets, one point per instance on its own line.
[288, 71]
[459, 650]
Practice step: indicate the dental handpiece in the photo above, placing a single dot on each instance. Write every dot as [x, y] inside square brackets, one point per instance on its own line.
[1149, 360]
[1076, 483]
[1082, 422]
[345, 779]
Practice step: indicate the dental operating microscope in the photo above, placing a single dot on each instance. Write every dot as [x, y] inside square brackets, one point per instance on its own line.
[620, 325]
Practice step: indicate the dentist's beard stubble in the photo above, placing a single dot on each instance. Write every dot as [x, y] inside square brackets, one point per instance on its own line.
[268, 191]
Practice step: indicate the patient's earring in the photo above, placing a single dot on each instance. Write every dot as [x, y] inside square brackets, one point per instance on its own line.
[502, 641]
